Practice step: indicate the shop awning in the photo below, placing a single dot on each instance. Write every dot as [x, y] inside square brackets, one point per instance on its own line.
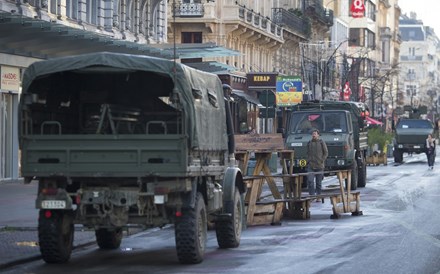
[371, 121]
[33, 37]
[246, 97]
[213, 67]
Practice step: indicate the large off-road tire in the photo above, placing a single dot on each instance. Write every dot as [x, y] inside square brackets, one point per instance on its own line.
[55, 235]
[108, 239]
[354, 177]
[229, 231]
[362, 173]
[191, 233]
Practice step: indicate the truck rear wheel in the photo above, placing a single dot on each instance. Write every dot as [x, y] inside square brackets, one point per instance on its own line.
[55, 235]
[108, 239]
[191, 233]
[362, 173]
[229, 231]
[354, 177]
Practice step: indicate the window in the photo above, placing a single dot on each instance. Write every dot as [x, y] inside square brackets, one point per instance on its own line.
[72, 9]
[191, 37]
[411, 90]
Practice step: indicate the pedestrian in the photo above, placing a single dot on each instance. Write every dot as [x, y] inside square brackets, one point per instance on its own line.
[317, 153]
[430, 151]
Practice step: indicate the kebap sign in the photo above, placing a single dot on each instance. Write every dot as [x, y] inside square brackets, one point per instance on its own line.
[10, 79]
[289, 91]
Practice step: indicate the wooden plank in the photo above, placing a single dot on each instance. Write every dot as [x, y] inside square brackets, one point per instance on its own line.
[271, 182]
[259, 142]
[243, 160]
[262, 220]
[264, 208]
[252, 200]
[268, 213]
[278, 213]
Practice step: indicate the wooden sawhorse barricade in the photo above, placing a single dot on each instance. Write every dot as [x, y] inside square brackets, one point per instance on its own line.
[260, 212]
[293, 203]
[343, 201]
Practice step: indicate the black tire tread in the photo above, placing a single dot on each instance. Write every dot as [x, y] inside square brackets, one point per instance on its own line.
[362, 176]
[189, 250]
[55, 247]
[108, 239]
[354, 177]
[226, 232]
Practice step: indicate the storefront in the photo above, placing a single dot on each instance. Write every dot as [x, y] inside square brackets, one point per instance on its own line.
[263, 86]
[9, 95]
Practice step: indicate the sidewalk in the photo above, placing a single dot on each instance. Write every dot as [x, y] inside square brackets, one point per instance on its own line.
[19, 224]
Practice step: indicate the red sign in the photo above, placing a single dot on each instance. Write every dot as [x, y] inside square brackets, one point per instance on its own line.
[357, 8]
[347, 91]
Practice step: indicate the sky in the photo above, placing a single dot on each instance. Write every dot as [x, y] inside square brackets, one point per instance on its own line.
[427, 11]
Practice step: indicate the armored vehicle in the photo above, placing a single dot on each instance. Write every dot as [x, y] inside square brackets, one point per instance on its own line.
[116, 140]
[342, 126]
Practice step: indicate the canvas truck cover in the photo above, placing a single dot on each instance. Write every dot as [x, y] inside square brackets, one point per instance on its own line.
[200, 93]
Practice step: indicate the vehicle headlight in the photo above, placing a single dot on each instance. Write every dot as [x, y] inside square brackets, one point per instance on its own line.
[341, 162]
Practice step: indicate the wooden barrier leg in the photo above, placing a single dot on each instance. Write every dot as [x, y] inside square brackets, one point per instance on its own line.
[358, 211]
[347, 202]
[341, 187]
[334, 201]
[271, 182]
[253, 196]
[278, 213]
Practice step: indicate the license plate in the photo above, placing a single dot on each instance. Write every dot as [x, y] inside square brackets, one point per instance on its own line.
[296, 144]
[53, 204]
[416, 146]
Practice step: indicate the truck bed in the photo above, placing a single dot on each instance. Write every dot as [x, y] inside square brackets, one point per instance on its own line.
[104, 155]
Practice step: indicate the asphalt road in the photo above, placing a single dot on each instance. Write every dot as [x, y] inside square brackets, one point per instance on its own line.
[398, 233]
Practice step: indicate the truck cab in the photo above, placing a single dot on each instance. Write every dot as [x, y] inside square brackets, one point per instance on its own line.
[410, 137]
[341, 126]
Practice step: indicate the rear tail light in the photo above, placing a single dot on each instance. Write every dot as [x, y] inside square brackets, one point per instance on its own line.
[47, 214]
[49, 191]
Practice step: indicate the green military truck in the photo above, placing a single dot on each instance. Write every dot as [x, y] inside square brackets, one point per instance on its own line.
[410, 137]
[116, 140]
[342, 126]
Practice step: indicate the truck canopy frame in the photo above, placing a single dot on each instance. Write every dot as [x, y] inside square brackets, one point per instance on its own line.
[59, 81]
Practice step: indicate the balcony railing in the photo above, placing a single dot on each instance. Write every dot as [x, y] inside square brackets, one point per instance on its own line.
[316, 10]
[291, 21]
[190, 10]
[259, 21]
